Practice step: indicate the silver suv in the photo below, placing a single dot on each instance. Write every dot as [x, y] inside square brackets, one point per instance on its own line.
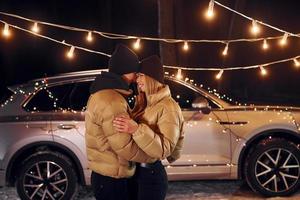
[42, 146]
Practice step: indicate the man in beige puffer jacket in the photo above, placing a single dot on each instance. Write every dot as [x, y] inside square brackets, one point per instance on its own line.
[109, 152]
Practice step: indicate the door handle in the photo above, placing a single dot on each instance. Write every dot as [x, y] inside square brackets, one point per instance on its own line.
[66, 126]
[233, 123]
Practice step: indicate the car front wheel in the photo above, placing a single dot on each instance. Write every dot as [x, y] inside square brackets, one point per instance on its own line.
[47, 175]
[273, 167]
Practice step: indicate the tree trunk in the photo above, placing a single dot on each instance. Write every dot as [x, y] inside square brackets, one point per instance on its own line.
[166, 24]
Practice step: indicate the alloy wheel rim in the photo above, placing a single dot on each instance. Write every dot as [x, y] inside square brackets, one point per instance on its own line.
[45, 180]
[277, 170]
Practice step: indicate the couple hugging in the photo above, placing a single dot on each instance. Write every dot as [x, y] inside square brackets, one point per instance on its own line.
[125, 146]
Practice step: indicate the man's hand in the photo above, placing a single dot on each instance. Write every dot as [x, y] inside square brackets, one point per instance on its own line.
[125, 124]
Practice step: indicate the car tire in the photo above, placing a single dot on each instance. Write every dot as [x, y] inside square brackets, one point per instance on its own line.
[47, 175]
[272, 167]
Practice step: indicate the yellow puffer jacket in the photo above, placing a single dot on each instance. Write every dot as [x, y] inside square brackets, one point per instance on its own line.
[160, 131]
[108, 151]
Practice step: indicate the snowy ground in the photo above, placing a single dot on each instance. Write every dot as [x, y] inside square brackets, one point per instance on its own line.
[190, 190]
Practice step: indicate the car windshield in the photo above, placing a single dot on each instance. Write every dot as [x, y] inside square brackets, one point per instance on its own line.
[208, 90]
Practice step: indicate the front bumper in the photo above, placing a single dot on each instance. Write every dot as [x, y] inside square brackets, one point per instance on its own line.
[2, 178]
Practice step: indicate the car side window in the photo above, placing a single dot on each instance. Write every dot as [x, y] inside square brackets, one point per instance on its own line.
[79, 96]
[71, 96]
[185, 96]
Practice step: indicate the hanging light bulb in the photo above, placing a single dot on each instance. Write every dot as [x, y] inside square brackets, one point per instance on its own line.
[210, 11]
[35, 27]
[70, 53]
[136, 45]
[296, 62]
[283, 40]
[265, 45]
[263, 71]
[6, 31]
[225, 51]
[219, 75]
[185, 46]
[179, 75]
[255, 28]
[89, 37]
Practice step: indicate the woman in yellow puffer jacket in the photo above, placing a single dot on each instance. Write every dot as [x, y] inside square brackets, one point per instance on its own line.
[158, 131]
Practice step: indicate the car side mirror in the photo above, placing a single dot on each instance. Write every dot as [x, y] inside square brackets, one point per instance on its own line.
[201, 104]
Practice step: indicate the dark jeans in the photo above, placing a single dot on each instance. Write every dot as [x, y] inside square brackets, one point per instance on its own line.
[149, 183]
[108, 188]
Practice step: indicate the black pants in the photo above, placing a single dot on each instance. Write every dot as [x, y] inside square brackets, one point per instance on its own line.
[108, 188]
[149, 183]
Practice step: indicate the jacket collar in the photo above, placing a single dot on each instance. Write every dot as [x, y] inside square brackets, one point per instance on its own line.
[161, 94]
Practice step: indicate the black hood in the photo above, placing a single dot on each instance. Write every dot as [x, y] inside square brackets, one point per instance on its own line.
[108, 80]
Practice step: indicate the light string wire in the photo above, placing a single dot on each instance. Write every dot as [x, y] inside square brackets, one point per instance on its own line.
[167, 40]
[233, 68]
[56, 41]
[166, 66]
[260, 22]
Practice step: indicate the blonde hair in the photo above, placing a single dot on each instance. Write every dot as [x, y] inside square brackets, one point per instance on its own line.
[152, 86]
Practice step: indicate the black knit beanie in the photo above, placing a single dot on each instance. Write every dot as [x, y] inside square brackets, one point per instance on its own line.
[123, 61]
[153, 67]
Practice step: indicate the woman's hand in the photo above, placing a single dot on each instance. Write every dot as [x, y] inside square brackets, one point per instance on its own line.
[125, 124]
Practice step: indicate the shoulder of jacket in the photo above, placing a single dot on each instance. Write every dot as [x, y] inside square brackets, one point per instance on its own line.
[108, 94]
[169, 105]
[107, 98]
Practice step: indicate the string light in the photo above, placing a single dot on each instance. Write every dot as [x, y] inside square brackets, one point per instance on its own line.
[255, 28]
[225, 51]
[35, 28]
[89, 37]
[283, 41]
[136, 45]
[249, 18]
[265, 45]
[263, 71]
[185, 46]
[70, 53]
[167, 40]
[210, 11]
[6, 31]
[166, 66]
[179, 75]
[296, 62]
[219, 75]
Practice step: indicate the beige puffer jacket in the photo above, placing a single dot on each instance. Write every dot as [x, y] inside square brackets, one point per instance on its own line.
[160, 131]
[108, 151]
